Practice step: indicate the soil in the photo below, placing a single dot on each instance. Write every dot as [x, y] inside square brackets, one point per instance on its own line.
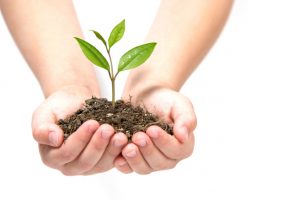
[123, 117]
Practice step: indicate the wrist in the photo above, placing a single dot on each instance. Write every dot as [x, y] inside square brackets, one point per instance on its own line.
[153, 75]
[69, 76]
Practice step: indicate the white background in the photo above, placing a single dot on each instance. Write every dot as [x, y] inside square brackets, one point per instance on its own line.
[247, 98]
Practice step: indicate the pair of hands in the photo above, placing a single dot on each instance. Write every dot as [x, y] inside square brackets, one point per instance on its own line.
[95, 148]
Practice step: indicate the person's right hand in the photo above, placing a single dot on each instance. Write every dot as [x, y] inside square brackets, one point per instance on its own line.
[91, 149]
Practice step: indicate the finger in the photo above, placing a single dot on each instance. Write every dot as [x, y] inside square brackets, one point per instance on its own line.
[121, 164]
[169, 145]
[185, 120]
[155, 159]
[117, 142]
[135, 159]
[44, 129]
[74, 145]
[93, 151]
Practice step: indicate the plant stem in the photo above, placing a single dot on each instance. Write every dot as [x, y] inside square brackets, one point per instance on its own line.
[113, 100]
[112, 78]
[111, 64]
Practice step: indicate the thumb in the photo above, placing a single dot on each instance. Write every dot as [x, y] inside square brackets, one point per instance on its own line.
[185, 120]
[44, 129]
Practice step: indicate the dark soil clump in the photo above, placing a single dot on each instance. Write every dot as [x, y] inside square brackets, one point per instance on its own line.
[124, 117]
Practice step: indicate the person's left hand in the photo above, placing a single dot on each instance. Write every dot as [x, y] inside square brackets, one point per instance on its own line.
[156, 150]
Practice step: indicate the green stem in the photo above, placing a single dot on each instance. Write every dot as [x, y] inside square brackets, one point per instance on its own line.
[110, 61]
[116, 75]
[111, 64]
[112, 78]
[113, 91]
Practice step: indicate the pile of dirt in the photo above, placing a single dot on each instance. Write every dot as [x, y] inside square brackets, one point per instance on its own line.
[123, 117]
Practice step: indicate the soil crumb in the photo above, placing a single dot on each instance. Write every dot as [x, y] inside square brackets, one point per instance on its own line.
[123, 117]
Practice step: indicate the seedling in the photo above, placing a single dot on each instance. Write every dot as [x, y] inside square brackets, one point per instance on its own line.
[131, 59]
[122, 116]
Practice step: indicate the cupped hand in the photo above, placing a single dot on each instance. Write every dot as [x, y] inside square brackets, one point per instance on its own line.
[154, 149]
[91, 149]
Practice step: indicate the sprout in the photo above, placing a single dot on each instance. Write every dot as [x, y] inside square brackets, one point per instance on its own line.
[131, 59]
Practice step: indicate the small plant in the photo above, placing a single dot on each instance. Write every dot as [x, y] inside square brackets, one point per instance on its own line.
[131, 59]
[122, 116]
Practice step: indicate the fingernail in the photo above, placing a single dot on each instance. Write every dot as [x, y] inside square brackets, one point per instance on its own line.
[53, 138]
[184, 133]
[153, 134]
[105, 134]
[131, 153]
[141, 142]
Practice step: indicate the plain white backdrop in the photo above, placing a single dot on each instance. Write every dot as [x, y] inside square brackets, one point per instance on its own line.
[246, 94]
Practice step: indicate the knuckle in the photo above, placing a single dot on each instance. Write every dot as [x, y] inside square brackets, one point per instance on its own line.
[164, 165]
[85, 165]
[177, 155]
[98, 146]
[143, 172]
[67, 155]
[45, 158]
[46, 161]
[164, 141]
[149, 152]
[101, 168]
[187, 154]
[82, 138]
[88, 173]
[190, 148]
[191, 121]
[67, 172]
[113, 153]
[172, 165]
[124, 170]
[184, 151]
[159, 166]
[38, 131]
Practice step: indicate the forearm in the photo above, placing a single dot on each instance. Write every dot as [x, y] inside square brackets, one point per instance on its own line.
[43, 31]
[184, 31]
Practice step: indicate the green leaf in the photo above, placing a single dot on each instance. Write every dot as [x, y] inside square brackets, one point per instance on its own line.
[99, 36]
[92, 54]
[117, 33]
[136, 56]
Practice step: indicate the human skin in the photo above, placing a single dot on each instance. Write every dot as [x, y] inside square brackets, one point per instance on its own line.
[43, 31]
[184, 32]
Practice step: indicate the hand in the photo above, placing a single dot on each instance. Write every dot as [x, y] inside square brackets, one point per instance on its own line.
[155, 149]
[91, 149]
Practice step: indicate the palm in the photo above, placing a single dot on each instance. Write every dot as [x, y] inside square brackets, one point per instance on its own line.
[57, 106]
[163, 102]
[64, 103]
